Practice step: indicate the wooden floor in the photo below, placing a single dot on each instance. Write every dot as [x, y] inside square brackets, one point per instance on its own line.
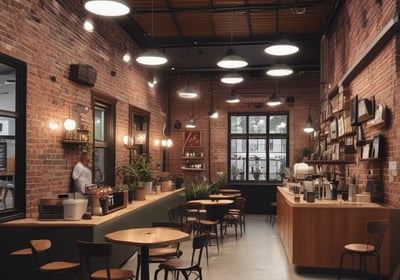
[258, 255]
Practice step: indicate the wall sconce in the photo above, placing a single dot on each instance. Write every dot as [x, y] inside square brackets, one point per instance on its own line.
[54, 125]
[69, 124]
[128, 141]
[166, 143]
[88, 25]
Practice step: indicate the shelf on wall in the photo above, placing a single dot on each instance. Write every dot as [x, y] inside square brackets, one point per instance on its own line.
[192, 169]
[329, 161]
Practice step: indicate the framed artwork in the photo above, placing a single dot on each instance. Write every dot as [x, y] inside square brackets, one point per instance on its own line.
[365, 110]
[365, 151]
[376, 149]
[340, 126]
[192, 138]
[333, 129]
[353, 110]
[349, 140]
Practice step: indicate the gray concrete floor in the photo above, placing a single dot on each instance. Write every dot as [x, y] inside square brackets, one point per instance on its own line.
[257, 255]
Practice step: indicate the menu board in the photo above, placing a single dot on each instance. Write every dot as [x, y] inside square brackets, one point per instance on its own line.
[3, 156]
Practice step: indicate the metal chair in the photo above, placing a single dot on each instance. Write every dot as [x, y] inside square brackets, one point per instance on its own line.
[99, 251]
[186, 266]
[41, 249]
[376, 231]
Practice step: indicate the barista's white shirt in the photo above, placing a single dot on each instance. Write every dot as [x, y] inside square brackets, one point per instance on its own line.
[82, 176]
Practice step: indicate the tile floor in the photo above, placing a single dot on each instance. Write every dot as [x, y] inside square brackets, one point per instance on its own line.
[258, 255]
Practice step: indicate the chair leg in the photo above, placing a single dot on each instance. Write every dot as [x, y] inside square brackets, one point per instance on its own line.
[138, 265]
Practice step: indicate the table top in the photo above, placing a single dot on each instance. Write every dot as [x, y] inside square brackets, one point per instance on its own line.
[153, 236]
[224, 196]
[212, 202]
[229, 191]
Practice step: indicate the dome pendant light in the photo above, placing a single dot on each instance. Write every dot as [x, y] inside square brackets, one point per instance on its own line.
[232, 79]
[108, 8]
[231, 60]
[274, 99]
[281, 47]
[152, 57]
[191, 123]
[308, 128]
[279, 70]
[232, 98]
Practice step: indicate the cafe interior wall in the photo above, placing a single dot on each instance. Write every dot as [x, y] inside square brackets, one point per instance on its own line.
[48, 36]
[253, 92]
[360, 53]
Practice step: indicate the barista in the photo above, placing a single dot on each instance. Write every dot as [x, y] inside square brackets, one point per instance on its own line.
[81, 174]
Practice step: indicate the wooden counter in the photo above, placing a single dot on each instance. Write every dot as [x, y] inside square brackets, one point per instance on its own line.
[64, 234]
[313, 234]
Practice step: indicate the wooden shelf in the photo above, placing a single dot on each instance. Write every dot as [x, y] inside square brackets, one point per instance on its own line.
[189, 158]
[192, 169]
[329, 161]
[75, 142]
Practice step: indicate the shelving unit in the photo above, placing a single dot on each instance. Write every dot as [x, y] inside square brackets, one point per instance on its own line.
[193, 158]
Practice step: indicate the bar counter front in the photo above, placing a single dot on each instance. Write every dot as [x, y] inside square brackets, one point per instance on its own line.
[314, 233]
[64, 234]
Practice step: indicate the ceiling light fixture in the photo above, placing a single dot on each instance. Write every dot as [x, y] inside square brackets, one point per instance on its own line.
[308, 128]
[274, 99]
[152, 81]
[152, 57]
[232, 78]
[88, 25]
[191, 123]
[232, 98]
[188, 93]
[127, 57]
[231, 60]
[281, 47]
[279, 70]
[108, 8]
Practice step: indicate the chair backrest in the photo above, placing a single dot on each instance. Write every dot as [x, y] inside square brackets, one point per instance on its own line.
[176, 213]
[376, 232]
[167, 224]
[41, 249]
[194, 206]
[239, 203]
[96, 251]
[199, 242]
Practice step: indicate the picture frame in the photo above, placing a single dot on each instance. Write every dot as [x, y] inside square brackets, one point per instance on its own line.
[365, 150]
[192, 138]
[354, 110]
[365, 110]
[333, 129]
[341, 128]
[376, 147]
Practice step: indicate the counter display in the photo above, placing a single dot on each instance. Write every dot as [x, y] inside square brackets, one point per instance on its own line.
[64, 233]
[313, 234]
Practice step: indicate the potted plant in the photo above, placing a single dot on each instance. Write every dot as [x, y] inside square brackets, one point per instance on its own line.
[196, 189]
[144, 171]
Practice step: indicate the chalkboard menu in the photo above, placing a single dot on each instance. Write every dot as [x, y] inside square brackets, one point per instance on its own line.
[3, 156]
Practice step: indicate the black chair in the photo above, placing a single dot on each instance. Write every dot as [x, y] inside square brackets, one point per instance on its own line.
[46, 266]
[186, 266]
[95, 262]
[376, 231]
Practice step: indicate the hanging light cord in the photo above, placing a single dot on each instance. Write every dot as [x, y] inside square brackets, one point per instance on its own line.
[232, 25]
[277, 17]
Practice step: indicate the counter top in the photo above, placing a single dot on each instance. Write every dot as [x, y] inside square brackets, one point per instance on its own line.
[96, 220]
[289, 196]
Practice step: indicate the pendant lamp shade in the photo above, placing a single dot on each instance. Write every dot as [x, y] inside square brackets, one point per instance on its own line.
[108, 8]
[281, 48]
[232, 98]
[232, 79]
[188, 93]
[152, 58]
[274, 100]
[191, 123]
[308, 128]
[232, 61]
[279, 70]
[213, 114]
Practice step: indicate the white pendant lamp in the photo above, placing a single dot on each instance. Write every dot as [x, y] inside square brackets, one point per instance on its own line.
[281, 48]
[232, 98]
[232, 61]
[232, 79]
[187, 93]
[308, 128]
[191, 123]
[108, 8]
[152, 58]
[274, 100]
[279, 70]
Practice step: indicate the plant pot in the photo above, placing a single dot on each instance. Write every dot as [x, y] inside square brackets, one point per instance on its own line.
[140, 194]
[148, 186]
[131, 195]
[166, 186]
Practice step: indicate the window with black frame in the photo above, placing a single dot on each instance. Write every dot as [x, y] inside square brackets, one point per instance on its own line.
[12, 137]
[258, 147]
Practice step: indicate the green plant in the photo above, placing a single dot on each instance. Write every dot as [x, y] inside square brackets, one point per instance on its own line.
[121, 188]
[178, 182]
[217, 185]
[143, 168]
[304, 153]
[196, 189]
[130, 175]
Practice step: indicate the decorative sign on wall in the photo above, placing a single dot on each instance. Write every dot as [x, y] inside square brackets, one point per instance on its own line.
[192, 138]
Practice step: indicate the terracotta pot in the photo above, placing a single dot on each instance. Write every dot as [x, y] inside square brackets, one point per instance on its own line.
[140, 194]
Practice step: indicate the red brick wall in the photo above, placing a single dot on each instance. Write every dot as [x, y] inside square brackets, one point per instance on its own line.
[356, 29]
[48, 35]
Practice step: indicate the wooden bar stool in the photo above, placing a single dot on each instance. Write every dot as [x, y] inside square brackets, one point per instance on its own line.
[24, 255]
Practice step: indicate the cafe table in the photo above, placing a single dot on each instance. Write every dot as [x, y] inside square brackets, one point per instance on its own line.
[220, 196]
[146, 238]
[213, 213]
[229, 191]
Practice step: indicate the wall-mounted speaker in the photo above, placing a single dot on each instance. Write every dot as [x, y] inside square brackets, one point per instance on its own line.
[83, 74]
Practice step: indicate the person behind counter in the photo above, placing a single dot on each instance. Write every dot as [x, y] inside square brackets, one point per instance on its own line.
[81, 174]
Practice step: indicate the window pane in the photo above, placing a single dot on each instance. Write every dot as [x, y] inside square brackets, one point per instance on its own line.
[238, 159]
[99, 166]
[258, 124]
[277, 158]
[99, 124]
[257, 159]
[7, 162]
[7, 88]
[238, 125]
[278, 124]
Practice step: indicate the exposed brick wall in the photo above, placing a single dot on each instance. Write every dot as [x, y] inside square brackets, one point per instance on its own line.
[48, 35]
[355, 30]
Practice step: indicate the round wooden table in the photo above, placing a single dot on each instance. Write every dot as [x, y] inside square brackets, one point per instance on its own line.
[211, 205]
[220, 196]
[229, 191]
[145, 238]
